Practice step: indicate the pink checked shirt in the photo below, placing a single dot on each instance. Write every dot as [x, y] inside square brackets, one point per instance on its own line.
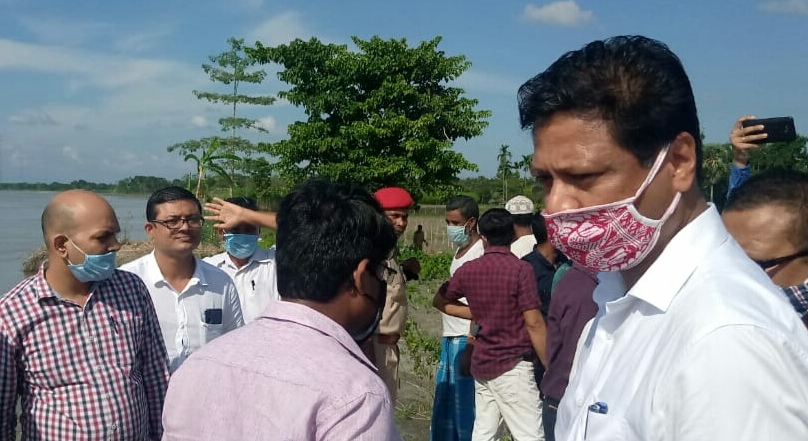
[91, 373]
[293, 374]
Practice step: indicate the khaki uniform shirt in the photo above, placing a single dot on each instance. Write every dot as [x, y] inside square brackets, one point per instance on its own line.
[394, 315]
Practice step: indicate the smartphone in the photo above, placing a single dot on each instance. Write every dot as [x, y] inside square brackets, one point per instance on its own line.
[213, 316]
[780, 129]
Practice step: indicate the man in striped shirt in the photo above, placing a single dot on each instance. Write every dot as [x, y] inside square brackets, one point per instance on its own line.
[80, 343]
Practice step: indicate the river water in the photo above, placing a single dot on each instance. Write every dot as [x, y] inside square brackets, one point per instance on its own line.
[20, 231]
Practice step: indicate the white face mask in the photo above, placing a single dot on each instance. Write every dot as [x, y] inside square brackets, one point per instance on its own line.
[609, 237]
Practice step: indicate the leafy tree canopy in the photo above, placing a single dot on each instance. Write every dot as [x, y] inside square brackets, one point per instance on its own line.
[382, 115]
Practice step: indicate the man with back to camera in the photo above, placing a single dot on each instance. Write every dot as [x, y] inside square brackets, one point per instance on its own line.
[195, 301]
[521, 207]
[80, 343]
[453, 403]
[691, 341]
[251, 267]
[768, 216]
[501, 293]
[297, 373]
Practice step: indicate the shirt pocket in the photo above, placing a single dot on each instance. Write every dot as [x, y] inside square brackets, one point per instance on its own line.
[208, 332]
[126, 335]
[603, 427]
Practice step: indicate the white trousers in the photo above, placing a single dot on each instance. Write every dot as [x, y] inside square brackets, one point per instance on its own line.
[513, 397]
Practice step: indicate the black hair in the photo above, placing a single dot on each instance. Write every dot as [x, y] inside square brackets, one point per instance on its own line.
[772, 188]
[496, 225]
[539, 229]
[324, 231]
[466, 205]
[634, 84]
[169, 194]
[243, 201]
[523, 220]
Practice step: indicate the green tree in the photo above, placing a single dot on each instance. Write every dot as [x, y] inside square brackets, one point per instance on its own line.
[209, 158]
[382, 115]
[504, 168]
[232, 68]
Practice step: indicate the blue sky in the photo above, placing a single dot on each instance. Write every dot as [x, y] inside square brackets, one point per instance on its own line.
[98, 89]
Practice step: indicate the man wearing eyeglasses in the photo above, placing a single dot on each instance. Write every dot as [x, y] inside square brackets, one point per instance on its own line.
[195, 301]
[768, 216]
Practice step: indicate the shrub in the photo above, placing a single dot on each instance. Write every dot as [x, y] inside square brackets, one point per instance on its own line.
[433, 266]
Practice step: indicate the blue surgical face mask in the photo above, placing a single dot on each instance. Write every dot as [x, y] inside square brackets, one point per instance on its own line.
[241, 246]
[96, 267]
[457, 234]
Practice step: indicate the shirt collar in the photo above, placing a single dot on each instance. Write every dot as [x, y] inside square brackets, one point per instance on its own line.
[44, 290]
[798, 296]
[303, 315]
[261, 255]
[497, 249]
[664, 279]
[153, 272]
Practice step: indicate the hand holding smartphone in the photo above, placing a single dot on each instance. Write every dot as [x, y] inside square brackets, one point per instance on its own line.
[779, 129]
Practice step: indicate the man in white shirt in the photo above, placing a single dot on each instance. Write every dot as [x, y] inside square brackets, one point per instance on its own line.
[691, 340]
[251, 267]
[453, 406]
[521, 207]
[195, 301]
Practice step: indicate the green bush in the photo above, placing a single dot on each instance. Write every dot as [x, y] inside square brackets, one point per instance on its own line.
[433, 266]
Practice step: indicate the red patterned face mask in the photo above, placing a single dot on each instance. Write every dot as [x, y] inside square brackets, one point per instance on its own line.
[609, 237]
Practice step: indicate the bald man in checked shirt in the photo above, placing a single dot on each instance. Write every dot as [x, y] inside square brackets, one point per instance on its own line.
[79, 341]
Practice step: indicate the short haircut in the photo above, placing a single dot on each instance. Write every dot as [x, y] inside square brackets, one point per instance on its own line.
[168, 194]
[57, 217]
[634, 84]
[776, 188]
[243, 201]
[324, 231]
[496, 225]
[466, 205]
[523, 220]
[539, 229]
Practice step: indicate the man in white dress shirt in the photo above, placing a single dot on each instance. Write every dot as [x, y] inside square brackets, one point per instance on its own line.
[251, 267]
[195, 301]
[691, 341]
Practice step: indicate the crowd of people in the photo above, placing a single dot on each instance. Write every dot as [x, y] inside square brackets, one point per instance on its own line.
[627, 308]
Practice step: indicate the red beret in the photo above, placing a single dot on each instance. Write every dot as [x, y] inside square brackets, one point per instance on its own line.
[391, 198]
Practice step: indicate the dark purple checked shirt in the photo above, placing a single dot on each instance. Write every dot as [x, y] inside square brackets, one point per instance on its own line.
[499, 288]
[571, 308]
[91, 373]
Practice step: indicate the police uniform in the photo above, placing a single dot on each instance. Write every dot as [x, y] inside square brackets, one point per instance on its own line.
[382, 348]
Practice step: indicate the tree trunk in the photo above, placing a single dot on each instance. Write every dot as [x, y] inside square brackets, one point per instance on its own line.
[199, 180]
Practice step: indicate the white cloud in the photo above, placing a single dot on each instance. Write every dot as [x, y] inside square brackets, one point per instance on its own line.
[199, 121]
[786, 7]
[280, 29]
[563, 13]
[34, 118]
[143, 40]
[267, 123]
[71, 154]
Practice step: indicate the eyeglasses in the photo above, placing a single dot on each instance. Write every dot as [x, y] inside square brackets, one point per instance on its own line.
[176, 223]
[766, 264]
